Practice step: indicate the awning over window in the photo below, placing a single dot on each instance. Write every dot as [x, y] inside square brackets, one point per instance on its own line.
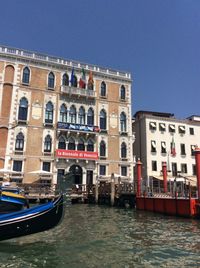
[163, 145]
[153, 144]
[162, 126]
[172, 127]
[153, 125]
[182, 128]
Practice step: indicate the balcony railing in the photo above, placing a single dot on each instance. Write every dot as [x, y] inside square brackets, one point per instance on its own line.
[77, 127]
[63, 62]
[82, 92]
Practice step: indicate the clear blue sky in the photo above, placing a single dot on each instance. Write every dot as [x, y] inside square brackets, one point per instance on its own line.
[158, 41]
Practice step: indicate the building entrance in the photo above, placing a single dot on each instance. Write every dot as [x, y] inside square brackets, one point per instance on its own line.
[77, 174]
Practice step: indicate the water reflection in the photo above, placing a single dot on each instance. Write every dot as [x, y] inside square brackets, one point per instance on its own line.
[97, 236]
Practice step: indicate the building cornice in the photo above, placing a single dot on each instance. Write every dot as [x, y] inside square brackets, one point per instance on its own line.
[171, 119]
[43, 60]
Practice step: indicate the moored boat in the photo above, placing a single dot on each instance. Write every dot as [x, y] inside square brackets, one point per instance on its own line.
[32, 220]
[10, 202]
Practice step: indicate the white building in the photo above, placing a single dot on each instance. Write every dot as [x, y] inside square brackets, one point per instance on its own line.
[160, 137]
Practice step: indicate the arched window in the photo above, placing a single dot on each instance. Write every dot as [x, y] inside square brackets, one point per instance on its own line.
[19, 143]
[103, 120]
[61, 143]
[65, 80]
[81, 116]
[90, 117]
[47, 143]
[72, 114]
[51, 80]
[63, 113]
[26, 76]
[90, 146]
[123, 150]
[71, 144]
[74, 81]
[123, 122]
[103, 89]
[102, 148]
[81, 145]
[49, 113]
[23, 109]
[123, 92]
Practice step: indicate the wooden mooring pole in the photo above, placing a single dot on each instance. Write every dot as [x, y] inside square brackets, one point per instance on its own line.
[97, 191]
[112, 197]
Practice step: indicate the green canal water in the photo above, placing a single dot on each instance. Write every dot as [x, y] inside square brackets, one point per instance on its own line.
[99, 236]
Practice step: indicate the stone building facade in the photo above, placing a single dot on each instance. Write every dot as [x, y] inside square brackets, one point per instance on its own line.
[62, 117]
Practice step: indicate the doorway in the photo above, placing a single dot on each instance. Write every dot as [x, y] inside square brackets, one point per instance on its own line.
[77, 174]
[89, 178]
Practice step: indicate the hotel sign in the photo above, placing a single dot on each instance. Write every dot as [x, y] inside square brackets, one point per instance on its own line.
[60, 153]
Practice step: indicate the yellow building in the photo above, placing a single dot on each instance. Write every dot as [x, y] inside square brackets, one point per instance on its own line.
[62, 117]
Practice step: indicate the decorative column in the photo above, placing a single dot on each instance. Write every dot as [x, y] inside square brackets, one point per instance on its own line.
[139, 165]
[197, 158]
[164, 172]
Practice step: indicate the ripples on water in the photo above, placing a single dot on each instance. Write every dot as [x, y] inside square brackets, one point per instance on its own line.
[98, 236]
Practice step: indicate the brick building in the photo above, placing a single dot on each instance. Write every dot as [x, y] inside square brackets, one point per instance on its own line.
[59, 116]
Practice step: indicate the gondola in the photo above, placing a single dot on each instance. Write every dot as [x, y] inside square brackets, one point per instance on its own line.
[32, 220]
[10, 202]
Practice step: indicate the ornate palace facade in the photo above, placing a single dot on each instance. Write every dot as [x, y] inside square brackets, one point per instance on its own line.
[59, 116]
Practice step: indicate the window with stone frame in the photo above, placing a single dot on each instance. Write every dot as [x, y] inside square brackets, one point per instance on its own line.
[46, 166]
[90, 117]
[51, 80]
[123, 150]
[123, 123]
[23, 109]
[26, 76]
[103, 120]
[71, 144]
[47, 143]
[102, 149]
[102, 170]
[90, 146]
[103, 89]
[124, 170]
[122, 92]
[65, 80]
[154, 165]
[61, 143]
[17, 165]
[19, 142]
[49, 113]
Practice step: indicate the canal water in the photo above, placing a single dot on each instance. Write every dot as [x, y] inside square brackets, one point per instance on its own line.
[99, 236]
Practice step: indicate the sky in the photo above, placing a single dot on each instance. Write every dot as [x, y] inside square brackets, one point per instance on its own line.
[157, 41]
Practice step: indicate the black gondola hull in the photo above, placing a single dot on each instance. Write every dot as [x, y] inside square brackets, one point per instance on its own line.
[33, 223]
[9, 206]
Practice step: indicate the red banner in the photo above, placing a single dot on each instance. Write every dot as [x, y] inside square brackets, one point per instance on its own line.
[60, 153]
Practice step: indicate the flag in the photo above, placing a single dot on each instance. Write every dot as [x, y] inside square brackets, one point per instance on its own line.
[90, 81]
[72, 80]
[82, 81]
[173, 149]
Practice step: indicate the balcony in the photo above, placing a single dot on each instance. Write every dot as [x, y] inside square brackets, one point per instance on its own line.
[79, 92]
[77, 127]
